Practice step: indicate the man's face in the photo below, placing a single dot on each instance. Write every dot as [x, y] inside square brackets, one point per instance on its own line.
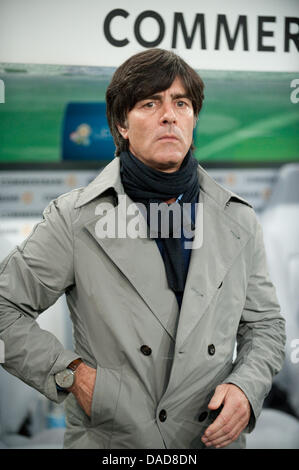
[160, 128]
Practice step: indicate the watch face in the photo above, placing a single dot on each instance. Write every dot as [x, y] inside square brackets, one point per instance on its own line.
[65, 378]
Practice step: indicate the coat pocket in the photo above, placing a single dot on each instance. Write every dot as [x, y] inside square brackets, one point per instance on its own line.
[105, 396]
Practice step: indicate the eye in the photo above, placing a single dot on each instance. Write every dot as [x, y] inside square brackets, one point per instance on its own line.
[149, 104]
[181, 104]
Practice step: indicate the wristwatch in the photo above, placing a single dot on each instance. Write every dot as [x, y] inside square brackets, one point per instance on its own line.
[65, 378]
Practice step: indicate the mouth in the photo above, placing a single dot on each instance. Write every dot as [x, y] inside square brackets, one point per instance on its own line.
[168, 137]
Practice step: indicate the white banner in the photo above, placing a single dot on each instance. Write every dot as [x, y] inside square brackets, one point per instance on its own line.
[26, 194]
[255, 35]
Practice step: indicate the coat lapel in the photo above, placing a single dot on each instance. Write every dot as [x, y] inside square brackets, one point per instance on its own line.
[140, 261]
[221, 240]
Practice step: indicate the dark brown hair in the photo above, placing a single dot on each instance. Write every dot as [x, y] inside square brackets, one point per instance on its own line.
[143, 75]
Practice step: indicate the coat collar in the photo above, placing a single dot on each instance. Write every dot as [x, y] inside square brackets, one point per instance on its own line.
[110, 178]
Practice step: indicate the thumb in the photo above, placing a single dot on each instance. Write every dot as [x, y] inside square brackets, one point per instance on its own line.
[218, 397]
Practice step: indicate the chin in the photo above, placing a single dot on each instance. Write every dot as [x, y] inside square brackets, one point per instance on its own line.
[171, 163]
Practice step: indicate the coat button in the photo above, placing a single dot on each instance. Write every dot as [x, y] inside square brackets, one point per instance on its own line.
[203, 416]
[146, 350]
[211, 349]
[162, 415]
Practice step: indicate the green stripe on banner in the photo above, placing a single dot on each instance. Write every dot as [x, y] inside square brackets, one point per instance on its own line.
[246, 116]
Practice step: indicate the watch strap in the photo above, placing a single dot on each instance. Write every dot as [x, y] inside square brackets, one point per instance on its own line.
[74, 364]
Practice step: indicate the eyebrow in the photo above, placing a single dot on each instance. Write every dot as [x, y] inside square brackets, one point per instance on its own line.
[175, 96]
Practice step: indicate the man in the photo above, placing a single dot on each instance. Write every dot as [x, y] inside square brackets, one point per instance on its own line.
[155, 322]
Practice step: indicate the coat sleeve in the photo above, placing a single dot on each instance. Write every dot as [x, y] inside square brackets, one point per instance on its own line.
[32, 277]
[261, 334]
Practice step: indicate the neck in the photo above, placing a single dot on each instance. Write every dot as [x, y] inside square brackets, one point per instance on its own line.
[170, 201]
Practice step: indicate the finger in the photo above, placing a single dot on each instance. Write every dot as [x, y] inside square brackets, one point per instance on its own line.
[226, 437]
[225, 424]
[217, 398]
[225, 418]
[233, 428]
[232, 413]
[227, 441]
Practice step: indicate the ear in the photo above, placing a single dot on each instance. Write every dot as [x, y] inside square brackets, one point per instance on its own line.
[195, 121]
[123, 131]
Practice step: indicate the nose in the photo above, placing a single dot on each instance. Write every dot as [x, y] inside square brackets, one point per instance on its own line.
[168, 115]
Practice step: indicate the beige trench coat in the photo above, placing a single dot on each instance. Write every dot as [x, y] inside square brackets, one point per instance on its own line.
[119, 301]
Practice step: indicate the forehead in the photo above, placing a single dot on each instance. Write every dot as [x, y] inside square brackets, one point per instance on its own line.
[176, 88]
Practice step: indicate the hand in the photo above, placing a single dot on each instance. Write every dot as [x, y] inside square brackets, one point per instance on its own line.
[233, 418]
[85, 378]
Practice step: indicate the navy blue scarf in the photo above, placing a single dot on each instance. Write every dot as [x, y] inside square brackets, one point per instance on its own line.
[147, 185]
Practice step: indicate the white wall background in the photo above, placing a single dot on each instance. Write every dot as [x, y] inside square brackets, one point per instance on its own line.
[71, 32]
